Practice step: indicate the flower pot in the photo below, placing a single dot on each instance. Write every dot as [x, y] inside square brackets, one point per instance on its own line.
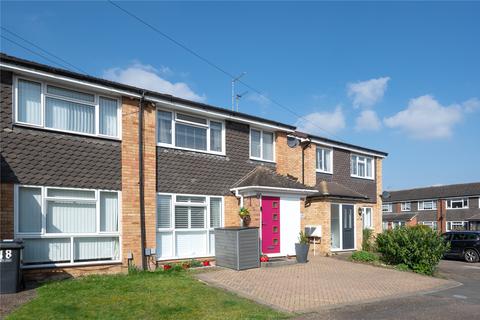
[206, 263]
[246, 221]
[301, 251]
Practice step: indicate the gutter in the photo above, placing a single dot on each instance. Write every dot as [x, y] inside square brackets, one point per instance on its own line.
[141, 181]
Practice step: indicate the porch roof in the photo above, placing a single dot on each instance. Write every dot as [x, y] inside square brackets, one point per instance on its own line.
[264, 178]
[398, 216]
[334, 189]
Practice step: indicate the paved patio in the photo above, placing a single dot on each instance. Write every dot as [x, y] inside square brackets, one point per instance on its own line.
[322, 283]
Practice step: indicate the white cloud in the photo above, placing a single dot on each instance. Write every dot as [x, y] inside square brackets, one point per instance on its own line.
[367, 93]
[368, 121]
[471, 105]
[425, 118]
[330, 122]
[148, 77]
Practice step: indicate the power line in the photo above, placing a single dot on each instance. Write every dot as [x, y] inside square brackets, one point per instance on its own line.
[217, 67]
[45, 51]
[36, 53]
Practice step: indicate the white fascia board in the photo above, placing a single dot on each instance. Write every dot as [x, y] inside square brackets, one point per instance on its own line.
[75, 82]
[338, 146]
[220, 115]
[272, 189]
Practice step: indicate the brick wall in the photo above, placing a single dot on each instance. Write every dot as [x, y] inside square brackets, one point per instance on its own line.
[231, 207]
[289, 160]
[317, 212]
[68, 272]
[377, 207]
[131, 227]
[6, 211]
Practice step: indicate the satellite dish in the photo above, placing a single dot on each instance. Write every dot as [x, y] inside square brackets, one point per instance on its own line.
[292, 142]
[385, 195]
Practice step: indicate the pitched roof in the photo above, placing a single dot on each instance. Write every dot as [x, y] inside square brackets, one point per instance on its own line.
[435, 192]
[334, 189]
[266, 177]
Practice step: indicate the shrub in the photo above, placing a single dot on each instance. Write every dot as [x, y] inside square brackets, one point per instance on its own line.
[419, 248]
[364, 256]
[367, 241]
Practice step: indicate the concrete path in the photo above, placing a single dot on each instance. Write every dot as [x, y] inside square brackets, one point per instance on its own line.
[322, 283]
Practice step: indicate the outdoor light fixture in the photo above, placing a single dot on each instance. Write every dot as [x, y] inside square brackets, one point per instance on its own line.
[360, 211]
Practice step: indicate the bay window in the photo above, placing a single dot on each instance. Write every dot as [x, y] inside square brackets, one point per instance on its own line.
[51, 107]
[324, 160]
[427, 205]
[189, 132]
[61, 225]
[361, 166]
[459, 203]
[185, 225]
[262, 145]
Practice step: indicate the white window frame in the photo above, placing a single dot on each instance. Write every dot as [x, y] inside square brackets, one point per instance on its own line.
[340, 222]
[323, 150]
[364, 209]
[462, 200]
[406, 206]
[421, 205]
[389, 209]
[173, 230]
[372, 177]
[193, 124]
[432, 224]
[44, 95]
[458, 222]
[398, 224]
[72, 236]
[261, 145]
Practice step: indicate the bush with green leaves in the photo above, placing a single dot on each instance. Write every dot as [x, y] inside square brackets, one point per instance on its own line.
[367, 240]
[364, 256]
[419, 248]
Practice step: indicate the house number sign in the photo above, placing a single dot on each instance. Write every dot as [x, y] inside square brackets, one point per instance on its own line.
[5, 256]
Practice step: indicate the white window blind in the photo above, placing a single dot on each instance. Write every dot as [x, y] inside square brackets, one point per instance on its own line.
[65, 216]
[69, 116]
[262, 144]
[367, 218]
[29, 102]
[164, 211]
[181, 217]
[108, 117]
[108, 211]
[215, 136]
[164, 127]
[255, 144]
[267, 145]
[190, 137]
[215, 212]
[30, 210]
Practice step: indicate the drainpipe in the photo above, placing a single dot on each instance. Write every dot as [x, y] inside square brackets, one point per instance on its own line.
[141, 181]
[304, 146]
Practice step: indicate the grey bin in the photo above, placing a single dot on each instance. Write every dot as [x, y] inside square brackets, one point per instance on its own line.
[237, 248]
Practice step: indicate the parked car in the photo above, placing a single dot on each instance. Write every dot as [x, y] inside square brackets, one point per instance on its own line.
[464, 245]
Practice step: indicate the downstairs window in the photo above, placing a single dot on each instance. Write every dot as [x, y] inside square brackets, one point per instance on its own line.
[67, 226]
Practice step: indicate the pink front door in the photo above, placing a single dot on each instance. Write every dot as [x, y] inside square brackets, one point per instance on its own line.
[270, 225]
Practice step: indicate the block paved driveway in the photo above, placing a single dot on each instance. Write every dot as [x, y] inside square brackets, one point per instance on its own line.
[322, 283]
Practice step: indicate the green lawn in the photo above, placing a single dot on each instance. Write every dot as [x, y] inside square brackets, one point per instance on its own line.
[158, 295]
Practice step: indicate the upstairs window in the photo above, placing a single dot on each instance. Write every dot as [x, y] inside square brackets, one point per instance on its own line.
[324, 160]
[387, 207]
[189, 132]
[53, 107]
[427, 205]
[459, 203]
[406, 206]
[361, 166]
[262, 145]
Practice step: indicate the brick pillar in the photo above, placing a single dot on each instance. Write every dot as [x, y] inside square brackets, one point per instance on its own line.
[377, 208]
[6, 211]
[289, 160]
[232, 206]
[131, 228]
[441, 216]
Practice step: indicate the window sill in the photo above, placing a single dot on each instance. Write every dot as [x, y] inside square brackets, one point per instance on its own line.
[169, 146]
[262, 160]
[31, 126]
[321, 171]
[364, 178]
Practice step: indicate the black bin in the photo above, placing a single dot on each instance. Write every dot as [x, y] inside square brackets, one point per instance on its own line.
[10, 275]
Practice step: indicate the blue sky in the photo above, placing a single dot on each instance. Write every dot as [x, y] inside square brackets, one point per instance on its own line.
[399, 77]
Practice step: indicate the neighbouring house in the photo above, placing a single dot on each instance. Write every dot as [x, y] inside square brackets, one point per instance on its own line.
[443, 208]
[97, 176]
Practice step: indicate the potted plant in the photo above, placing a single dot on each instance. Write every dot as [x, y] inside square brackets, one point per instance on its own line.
[264, 258]
[302, 247]
[245, 216]
[206, 263]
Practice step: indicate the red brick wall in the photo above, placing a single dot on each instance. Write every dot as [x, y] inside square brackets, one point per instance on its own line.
[6, 211]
